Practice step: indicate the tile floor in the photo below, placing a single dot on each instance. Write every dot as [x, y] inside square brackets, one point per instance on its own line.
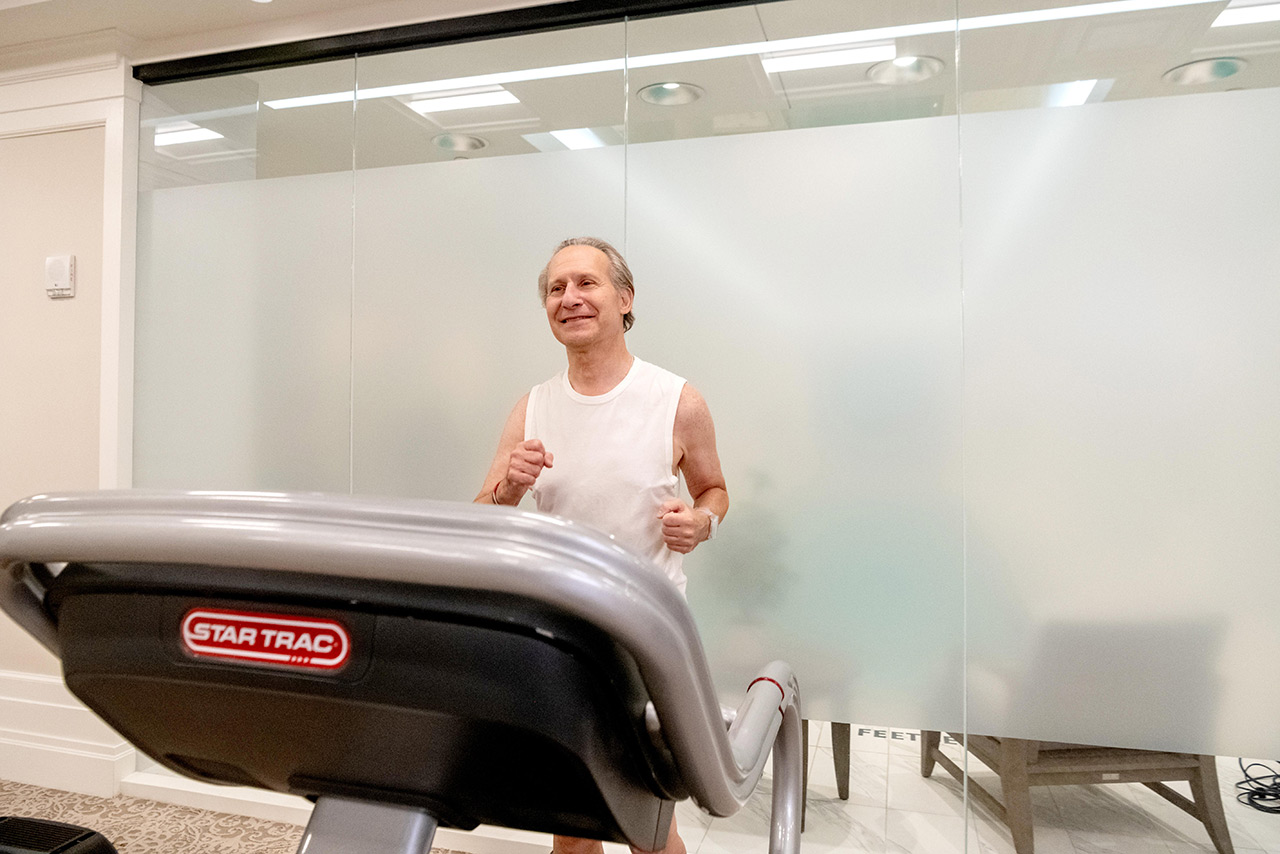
[893, 810]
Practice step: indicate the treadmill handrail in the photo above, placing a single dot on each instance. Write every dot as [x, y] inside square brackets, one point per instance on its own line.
[545, 558]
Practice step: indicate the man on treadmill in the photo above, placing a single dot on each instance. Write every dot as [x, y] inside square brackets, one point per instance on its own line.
[605, 441]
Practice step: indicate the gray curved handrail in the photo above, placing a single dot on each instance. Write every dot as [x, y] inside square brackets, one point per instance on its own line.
[546, 558]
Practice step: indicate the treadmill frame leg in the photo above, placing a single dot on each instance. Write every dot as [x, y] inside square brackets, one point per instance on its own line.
[345, 826]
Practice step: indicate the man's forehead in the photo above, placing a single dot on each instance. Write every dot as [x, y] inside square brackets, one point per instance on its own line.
[577, 257]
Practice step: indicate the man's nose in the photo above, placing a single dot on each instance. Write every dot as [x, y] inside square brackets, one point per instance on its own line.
[572, 294]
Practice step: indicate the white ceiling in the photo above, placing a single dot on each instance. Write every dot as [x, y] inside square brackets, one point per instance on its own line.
[153, 30]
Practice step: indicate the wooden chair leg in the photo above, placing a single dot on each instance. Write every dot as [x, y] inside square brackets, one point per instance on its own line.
[1017, 793]
[1208, 799]
[929, 741]
[841, 734]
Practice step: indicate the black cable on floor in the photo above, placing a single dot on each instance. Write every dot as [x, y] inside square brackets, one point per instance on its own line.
[1262, 792]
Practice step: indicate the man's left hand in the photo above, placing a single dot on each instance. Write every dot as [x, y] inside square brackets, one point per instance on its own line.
[682, 527]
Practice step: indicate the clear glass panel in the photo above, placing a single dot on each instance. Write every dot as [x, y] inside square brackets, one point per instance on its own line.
[1122, 344]
[794, 230]
[789, 65]
[780, 271]
[1122, 417]
[449, 333]
[244, 284]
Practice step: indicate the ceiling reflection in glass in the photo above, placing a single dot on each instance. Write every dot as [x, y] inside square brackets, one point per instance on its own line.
[749, 69]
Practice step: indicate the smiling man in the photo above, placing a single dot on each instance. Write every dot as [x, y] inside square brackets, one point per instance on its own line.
[605, 442]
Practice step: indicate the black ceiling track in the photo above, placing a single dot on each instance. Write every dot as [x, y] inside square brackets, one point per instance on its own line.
[532, 19]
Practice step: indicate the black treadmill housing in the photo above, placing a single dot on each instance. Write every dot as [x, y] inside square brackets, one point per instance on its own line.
[561, 746]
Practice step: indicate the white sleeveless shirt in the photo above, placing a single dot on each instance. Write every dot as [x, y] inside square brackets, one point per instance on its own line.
[611, 457]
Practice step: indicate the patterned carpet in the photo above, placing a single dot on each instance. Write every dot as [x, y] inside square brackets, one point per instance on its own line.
[137, 826]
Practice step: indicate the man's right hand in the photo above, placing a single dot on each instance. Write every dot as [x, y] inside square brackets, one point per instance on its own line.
[527, 461]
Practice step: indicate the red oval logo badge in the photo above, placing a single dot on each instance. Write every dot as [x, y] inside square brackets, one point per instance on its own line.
[307, 643]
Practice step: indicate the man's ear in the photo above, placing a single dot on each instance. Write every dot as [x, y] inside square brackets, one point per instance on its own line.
[628, 297]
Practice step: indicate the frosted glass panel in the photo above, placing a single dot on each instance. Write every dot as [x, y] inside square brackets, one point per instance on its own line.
[244, 288]
[777, 267]
[783, 274]
[1122, 340]
[243, 335]
[449, 332]
[457, 210]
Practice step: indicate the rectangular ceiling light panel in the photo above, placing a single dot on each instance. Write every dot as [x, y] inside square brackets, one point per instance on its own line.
[828, 58]
[1235, 15]
[422, 106]
[177, 137]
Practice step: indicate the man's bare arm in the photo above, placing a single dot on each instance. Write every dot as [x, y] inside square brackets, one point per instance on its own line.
[694, 446]
[517, 463]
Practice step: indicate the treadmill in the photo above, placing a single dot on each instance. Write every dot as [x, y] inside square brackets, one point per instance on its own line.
[403, 664]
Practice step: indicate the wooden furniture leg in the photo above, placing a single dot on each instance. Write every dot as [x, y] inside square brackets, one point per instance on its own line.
[841, 735]
[1208, 798]
[1016, 788]
[930, 740]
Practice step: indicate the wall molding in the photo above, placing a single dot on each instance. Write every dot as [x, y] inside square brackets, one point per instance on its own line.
[98, 93]
[48, 738]
[63, 57]
[62, 128]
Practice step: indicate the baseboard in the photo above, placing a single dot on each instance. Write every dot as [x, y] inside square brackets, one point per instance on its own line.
[160, 785]
[47, 738]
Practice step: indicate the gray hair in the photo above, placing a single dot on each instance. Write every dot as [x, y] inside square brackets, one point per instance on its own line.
[619, 272]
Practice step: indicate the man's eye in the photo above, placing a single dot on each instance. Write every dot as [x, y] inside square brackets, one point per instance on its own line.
[555, 289]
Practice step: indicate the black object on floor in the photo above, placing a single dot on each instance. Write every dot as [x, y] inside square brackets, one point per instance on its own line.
[39, 836]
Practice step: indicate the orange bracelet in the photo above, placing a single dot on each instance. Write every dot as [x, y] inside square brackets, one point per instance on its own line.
[495, 491]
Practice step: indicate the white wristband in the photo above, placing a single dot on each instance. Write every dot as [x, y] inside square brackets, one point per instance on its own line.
[715, 522]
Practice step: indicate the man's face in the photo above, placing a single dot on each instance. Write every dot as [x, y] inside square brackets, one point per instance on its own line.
[582, 304]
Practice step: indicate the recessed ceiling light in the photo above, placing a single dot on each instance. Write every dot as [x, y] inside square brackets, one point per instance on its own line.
[905, 69]
[468, 101]
[1204, 71]
[671, 94]
[1246, 13]
[460, 142]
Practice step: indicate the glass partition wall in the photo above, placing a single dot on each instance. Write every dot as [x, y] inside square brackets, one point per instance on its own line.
[1121, 206]
[981, 296]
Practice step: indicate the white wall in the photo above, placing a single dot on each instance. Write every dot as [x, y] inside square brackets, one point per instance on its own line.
[49, 359]
[67, 160]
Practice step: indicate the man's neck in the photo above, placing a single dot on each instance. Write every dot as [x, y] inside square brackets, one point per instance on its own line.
[597, 370]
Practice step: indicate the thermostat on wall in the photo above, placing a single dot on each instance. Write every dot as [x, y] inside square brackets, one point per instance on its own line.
[60, 276]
